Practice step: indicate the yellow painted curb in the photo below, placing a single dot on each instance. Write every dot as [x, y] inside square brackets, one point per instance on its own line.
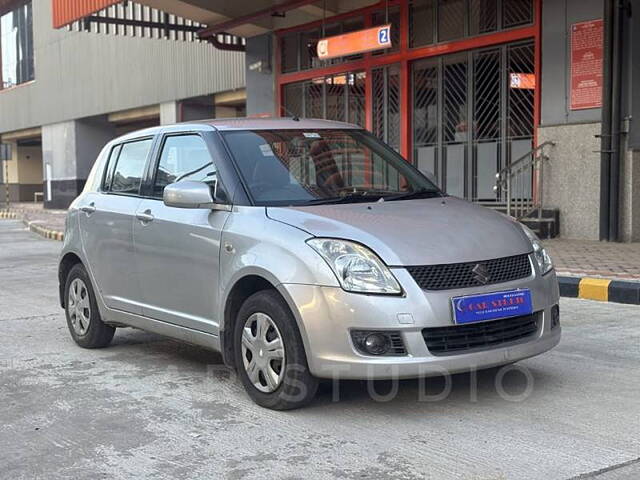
[594, 289]
[5, 215]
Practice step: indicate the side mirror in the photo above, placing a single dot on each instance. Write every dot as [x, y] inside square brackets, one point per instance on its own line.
[190, 194]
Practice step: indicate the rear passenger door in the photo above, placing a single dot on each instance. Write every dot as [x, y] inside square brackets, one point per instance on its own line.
[178, 250]
[106, 223]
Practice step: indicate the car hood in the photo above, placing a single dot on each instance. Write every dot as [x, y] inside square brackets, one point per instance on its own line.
[414, 232]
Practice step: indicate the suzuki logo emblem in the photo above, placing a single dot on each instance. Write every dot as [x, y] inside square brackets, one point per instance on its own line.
[481, 273]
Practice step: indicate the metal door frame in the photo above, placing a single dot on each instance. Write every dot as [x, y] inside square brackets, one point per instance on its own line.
[404, 56]
[471, 142]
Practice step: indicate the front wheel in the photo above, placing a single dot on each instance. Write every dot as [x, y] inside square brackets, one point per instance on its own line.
[270, 355]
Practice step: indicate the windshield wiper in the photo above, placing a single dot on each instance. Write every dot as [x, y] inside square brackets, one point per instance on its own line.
[350, 198]
[422, 193]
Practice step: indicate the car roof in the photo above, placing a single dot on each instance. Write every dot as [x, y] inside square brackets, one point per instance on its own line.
[225, 124]
[284, 123]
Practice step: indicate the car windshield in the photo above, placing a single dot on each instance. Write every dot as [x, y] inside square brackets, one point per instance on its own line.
[311, 167]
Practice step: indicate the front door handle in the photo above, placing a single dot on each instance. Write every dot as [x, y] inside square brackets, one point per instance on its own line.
[145, 217]
[88, 209]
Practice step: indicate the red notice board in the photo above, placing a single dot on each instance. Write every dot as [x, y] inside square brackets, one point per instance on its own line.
[586, 64]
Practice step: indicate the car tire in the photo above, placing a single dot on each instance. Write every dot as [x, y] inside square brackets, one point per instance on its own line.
[83, 318]
[294, 386]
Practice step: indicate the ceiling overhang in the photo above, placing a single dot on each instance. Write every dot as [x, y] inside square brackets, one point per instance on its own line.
[8, 5]
[243, 19]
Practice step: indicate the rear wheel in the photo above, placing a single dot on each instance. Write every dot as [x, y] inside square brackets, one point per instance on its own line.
[83, 318]
[270, 355]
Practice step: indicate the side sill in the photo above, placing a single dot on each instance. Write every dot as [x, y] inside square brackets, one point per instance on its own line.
[195, 337]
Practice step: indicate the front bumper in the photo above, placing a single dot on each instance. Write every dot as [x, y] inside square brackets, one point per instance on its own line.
[326, 315]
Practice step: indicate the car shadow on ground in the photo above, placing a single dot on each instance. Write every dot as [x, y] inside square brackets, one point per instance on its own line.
[511, 383]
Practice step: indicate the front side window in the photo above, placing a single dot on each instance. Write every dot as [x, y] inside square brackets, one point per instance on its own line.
[129, 167]
[184, 157]
[16, 46]
[307, 167]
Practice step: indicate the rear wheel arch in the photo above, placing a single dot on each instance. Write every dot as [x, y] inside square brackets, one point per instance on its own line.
[68, 261]
[83, 315]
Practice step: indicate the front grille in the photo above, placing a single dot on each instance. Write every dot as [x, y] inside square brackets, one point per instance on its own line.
[461, 275]
[475, 336]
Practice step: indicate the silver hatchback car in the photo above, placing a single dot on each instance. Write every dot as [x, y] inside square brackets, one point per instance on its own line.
[301, 250]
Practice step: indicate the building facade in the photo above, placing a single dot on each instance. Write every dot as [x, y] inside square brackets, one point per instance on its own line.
[510, 103]
[67, 92]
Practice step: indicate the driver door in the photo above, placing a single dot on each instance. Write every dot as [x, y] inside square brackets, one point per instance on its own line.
[178, 250]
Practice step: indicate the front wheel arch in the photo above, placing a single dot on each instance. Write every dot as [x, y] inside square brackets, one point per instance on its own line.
[295, 386]
[241, 290]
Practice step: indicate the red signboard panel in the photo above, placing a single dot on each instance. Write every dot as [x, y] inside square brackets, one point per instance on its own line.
[522, 81]
[586, 64]
[68, 11]
[355, 42]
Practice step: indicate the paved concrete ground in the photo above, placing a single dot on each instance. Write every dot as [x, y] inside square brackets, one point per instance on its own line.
[148, 407]
[34, 212]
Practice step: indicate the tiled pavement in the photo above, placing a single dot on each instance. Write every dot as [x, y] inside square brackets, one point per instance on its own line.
[571, 257]
[598, 259]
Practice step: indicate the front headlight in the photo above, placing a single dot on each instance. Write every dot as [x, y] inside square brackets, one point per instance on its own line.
[539, 252]
[358, 269]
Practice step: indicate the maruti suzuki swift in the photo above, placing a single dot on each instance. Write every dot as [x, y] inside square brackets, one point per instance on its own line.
[301, 250]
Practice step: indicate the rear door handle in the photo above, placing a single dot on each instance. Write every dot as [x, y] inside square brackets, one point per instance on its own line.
[88, 209]
[145, 217]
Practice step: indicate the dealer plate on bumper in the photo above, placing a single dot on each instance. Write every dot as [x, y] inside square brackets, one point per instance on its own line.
[491, 306]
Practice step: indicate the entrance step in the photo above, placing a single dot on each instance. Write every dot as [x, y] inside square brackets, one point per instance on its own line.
[548, 226]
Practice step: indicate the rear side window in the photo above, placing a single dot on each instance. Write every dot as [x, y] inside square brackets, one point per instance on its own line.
[126, 175]
[184, 157]
[111, 164]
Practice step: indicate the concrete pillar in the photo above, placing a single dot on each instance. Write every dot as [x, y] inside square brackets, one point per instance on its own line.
[61, 184]
[260, 78]
[69, 150]
[572, 178]
[169, 113]
[630, 198]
